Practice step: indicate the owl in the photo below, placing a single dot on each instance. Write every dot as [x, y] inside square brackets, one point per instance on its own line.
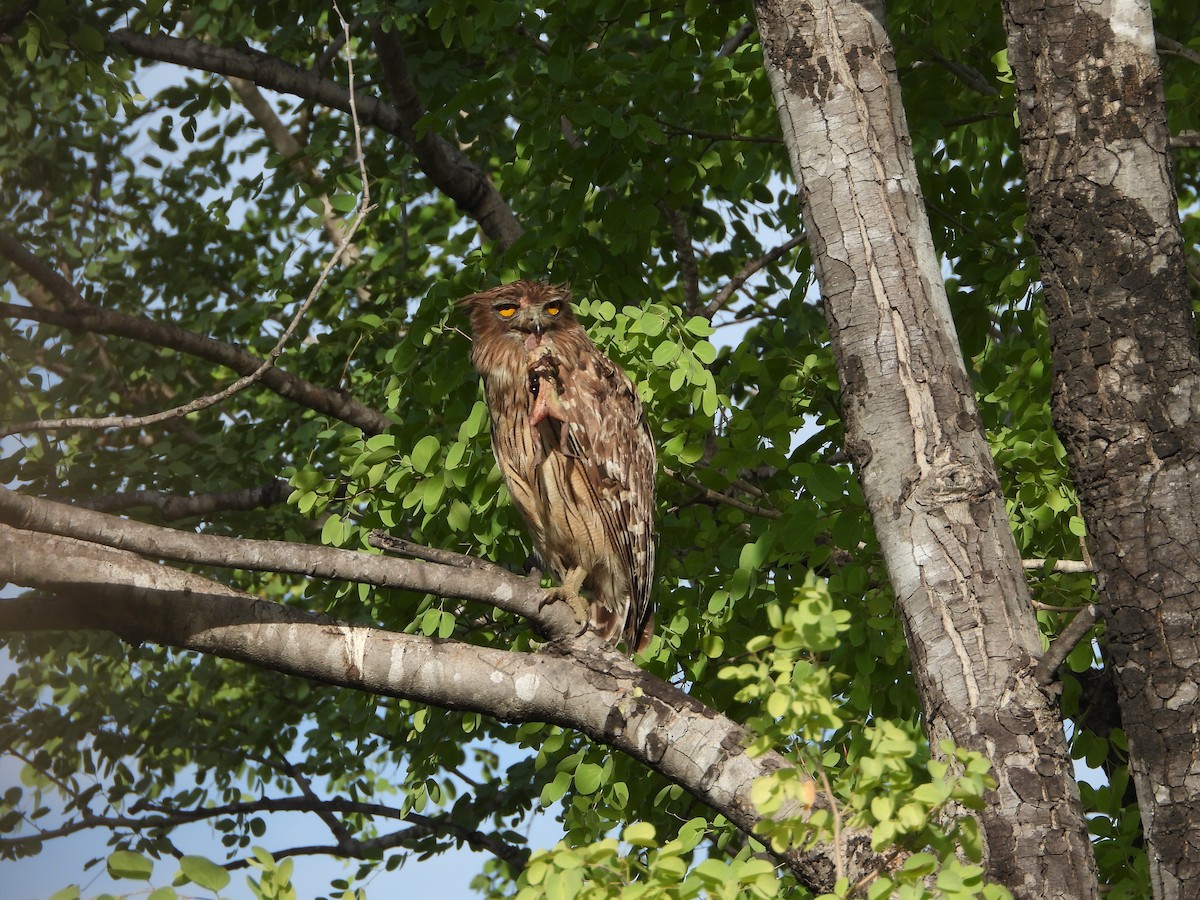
[575, 450]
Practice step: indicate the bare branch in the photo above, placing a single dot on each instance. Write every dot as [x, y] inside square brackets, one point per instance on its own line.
[447, 167]
[716, 135]
[595, 690]
[179, 506]
[494, 586]
[81, 316]
[56, 285]
[970, 77]
[384, 541]
[738, 38]
[1171, 47]
[717, 496]
[1070, 566]
[339, 41]
[755, 265]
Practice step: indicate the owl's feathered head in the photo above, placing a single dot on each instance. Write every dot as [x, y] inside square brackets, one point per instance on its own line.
[520, 308]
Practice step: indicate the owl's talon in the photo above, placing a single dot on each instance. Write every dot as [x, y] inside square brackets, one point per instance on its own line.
[568, 592]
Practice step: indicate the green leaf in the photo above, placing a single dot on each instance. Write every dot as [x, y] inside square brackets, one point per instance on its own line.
[127, 864]
[588, 777]
[423, 453]
[705, 352]
[639, 834]
[203, 872]
[554, 791]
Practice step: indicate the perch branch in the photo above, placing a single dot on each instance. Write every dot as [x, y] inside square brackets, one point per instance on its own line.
[494, 586]
[594, 690]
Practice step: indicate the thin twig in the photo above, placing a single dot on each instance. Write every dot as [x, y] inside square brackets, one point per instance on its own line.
[364, 209]
[969, 76]
[716, 135]
[839, 854]
[710, 494]
[381, 540]
[717, 303]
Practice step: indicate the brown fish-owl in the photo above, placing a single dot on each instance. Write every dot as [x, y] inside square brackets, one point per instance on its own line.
[576, 453]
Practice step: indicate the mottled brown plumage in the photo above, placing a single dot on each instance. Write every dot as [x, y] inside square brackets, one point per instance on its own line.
[575, 450]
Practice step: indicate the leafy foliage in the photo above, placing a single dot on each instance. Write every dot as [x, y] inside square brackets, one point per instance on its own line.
[639, 152]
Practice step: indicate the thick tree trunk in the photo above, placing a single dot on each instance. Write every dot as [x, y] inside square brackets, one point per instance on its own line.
[914, 433]
[1104, 217]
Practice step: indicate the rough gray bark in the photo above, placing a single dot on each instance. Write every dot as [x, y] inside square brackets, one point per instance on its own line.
[915, 436]
[1104, 217]
[577, 681]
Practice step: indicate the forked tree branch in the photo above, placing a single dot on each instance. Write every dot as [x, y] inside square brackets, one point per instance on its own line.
[491, 585]
[80, 316]
[447, 168]
[586, 686]
[717, 303]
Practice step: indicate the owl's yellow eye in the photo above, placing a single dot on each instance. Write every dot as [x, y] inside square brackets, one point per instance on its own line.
[506, 310]
[552, 309]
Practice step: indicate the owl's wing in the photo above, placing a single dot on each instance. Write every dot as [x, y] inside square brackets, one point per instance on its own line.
[604, 429]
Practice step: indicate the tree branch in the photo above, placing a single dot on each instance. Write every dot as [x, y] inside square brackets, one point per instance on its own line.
[719, 497]
[447, 168]
[455, 175]
[1047, 667]
[595, 690]
[81, 316]
[1168, 45]
[755, 265]
[970, 77]
[178, 506]
[495, 586]
[1070, 566]
[747, 29]
[685, 254]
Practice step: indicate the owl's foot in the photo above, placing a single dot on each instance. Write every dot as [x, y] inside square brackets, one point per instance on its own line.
[568, 592]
